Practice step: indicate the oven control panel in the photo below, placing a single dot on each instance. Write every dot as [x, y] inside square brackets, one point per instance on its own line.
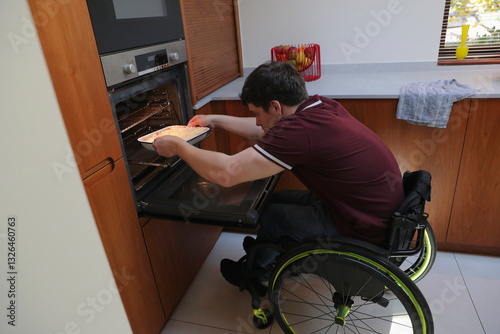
[123, 66]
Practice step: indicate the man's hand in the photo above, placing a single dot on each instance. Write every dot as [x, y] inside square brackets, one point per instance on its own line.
[202, 120]
[166, 145]
[245, 127]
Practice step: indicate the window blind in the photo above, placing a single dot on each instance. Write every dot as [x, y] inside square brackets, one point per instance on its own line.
[483, 17]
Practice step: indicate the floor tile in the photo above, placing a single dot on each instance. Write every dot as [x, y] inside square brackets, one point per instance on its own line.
[275, 329]
[213, 302]
[447, 296]
[179, 327]
[482, 276]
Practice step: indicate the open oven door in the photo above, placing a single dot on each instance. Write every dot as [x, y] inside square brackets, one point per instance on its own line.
[190, 197]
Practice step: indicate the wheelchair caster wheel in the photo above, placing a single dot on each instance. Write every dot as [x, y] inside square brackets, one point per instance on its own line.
[262, 319]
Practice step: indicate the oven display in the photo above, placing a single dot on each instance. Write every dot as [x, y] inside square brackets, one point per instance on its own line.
[151, 62]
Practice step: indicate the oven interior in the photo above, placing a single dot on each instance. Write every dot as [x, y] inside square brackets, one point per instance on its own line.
[156, 109]
[143, 107]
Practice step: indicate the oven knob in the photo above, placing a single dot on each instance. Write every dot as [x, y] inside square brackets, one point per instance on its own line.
[174, 56]
[129, 69]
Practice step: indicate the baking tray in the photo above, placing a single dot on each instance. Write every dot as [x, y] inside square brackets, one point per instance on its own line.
[193, 136]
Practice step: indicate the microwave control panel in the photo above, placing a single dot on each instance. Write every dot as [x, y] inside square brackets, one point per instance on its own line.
[123, 66]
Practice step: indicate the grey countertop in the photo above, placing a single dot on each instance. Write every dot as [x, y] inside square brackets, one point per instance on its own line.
[381, 80]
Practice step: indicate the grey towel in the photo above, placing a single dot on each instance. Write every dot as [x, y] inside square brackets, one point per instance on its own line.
[430, 103]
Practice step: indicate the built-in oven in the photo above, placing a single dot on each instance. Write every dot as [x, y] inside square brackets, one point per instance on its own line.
[157, 96]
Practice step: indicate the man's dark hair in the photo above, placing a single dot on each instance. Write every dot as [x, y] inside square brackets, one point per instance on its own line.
[270, 81]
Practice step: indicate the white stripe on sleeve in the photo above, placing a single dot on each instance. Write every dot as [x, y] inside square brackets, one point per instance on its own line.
[272, 158]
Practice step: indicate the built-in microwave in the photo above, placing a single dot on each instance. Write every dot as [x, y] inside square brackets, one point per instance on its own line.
[121, 25]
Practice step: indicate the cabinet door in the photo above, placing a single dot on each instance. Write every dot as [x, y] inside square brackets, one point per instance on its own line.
[177, 251]
[418, 147]
[114, 211]
[476, 210]
[212, 41]
[68, 43]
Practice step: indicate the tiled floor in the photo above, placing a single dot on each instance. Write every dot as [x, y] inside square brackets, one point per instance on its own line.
[462, 290]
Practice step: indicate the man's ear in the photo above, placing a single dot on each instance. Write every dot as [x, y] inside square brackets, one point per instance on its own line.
[275, 107]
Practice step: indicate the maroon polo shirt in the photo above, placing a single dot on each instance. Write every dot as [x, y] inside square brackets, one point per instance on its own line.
[342, 162]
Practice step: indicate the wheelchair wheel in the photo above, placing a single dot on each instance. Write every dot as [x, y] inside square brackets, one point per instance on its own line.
[342, 289]
[417, 266]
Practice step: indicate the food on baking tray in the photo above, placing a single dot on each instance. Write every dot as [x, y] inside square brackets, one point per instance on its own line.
[184, 132]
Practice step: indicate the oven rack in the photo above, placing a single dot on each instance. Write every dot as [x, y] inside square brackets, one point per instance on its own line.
[142, 114]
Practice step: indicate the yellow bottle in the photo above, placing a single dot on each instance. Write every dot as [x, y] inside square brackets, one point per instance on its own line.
[463, 50]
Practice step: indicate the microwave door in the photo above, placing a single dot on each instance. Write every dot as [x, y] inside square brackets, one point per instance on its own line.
[190, 198]
[120, 25]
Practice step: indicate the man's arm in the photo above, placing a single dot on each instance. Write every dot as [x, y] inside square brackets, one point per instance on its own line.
[225, 170]
[245, 127]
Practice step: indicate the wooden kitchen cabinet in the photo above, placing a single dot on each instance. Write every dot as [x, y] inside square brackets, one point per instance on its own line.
[111, 200]
[417, 147]
[177, 251]
[213, 44]
[476, 211]
[218, 140]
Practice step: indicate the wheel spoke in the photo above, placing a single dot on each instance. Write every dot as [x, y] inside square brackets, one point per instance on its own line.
[314, 305]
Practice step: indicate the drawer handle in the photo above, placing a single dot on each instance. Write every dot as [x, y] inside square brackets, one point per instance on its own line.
[99, 171]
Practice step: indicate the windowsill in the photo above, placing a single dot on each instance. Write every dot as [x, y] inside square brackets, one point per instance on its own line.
[469, 62]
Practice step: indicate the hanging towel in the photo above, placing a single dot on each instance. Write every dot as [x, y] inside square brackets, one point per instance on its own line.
[429, 103]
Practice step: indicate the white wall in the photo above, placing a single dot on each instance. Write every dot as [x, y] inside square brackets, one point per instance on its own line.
[63, 283]
[348, 31]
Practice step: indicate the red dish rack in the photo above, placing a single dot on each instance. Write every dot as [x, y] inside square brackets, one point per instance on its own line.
[305, 57]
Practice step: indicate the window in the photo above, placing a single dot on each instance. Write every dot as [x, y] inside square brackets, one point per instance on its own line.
[483, 18]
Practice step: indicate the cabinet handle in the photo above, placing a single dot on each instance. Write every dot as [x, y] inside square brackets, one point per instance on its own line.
[99, 171]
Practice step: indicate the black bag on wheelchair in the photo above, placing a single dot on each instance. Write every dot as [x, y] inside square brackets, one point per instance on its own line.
[410, 215]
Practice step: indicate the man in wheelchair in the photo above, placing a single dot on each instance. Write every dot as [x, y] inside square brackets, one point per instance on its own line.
[353, 180]
[354, 188]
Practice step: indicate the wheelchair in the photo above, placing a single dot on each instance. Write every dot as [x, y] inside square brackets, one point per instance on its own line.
[344, 285]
